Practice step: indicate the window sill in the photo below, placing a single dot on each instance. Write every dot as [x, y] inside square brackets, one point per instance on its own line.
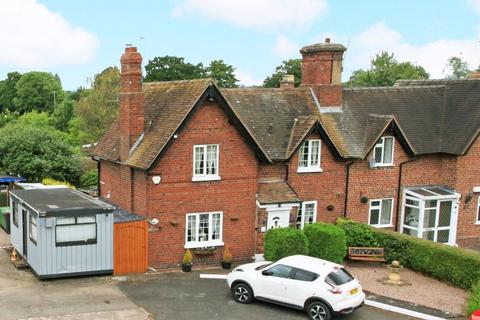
[206, 178]
[203, 244]
[477, 223]
[309, 170]
[383, 165]
[379, 226]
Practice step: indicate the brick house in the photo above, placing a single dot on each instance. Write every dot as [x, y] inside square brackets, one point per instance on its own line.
[219, 167]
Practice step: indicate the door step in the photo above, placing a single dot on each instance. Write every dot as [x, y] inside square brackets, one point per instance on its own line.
[20, 263]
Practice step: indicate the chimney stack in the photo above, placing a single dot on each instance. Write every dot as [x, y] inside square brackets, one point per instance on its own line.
[288, 81]
[131, 114]
[322, 71]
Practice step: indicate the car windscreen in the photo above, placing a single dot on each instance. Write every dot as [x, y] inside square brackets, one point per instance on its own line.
[338, 277]
[263, 266]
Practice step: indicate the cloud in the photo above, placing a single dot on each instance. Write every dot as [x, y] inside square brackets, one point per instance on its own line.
[257, 14]
[246, 79]
[475, 4]
[34, 37]
[285, 48]
[432, 56]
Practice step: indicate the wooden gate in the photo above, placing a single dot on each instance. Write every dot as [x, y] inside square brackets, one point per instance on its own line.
[130, 247]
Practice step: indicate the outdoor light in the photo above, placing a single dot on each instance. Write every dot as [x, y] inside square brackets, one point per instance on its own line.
[363, 199]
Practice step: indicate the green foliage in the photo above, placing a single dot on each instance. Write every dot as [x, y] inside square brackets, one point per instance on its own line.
[282, 242]
[89, 179]
[62, 114]
[8, 90]
[385, 70]
[169, 68]
[53, 182]
[457, 68]
[473, 303]
[224, 74]
[97, 108]
[38, 91]
[8, 116]
[357, 234]
[32, 149]
[326, 241]
[292, 66]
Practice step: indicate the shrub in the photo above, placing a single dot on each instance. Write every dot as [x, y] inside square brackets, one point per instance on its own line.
[187, 257]
[227, 255]
[326, 241]
[282, 242]
[357, 234]
[53, 182]
[89, 179]
[473, 303]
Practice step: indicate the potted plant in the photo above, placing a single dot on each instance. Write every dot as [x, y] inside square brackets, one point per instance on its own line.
[187, 261]
[227, 259]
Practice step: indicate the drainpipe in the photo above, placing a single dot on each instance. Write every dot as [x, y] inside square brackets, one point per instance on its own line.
[347, 178]
[399, 189]
[98, 180]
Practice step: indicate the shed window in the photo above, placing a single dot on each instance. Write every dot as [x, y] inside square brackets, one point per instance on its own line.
[204, 229]
[15, 213]
[205, 162]
[309, 156]
[33, 231]
[72, 231]
[383, 152]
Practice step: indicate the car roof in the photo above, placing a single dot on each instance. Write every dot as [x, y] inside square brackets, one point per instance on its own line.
[308, 263]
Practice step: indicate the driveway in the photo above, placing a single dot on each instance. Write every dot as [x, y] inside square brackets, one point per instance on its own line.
[181, 296]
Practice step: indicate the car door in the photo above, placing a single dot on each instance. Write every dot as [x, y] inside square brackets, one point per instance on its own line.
[300, 286]
[271, 283]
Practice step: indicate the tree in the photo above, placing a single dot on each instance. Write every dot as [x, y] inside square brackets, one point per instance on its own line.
[36, 152]
[385, 70]
[97, 107]
[38, 91]
[62, 114]
[292, 66]
[8, 90]
[169, 68]
[457, 68]
[224, 74]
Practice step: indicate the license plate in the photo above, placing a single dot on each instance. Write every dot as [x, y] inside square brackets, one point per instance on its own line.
[353, 291]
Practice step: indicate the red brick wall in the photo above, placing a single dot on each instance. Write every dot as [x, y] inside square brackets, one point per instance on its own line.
[272, 171]
[177, 195]
[115, 184]
[317, 67]
[326, 187]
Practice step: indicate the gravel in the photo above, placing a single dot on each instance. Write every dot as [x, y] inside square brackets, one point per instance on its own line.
[423, 290]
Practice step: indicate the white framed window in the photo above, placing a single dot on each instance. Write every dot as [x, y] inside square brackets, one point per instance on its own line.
[32, 228]
[205, 162]
[380, 212]
[309, 156]
[383, 152]
[71, 231]
[478, 210]
[204, 229]
[307, 214]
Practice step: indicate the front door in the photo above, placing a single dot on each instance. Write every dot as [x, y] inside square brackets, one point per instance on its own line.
[25, 232]
[278, 219]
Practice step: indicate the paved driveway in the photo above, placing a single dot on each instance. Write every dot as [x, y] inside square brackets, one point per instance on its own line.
[186, 296]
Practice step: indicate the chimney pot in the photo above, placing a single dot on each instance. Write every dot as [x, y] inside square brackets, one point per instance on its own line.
[288, 81]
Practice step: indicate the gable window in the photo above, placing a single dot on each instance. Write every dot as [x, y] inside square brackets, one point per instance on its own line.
[309, 156]
[15, 213]
[33, 227]
[380, 214]
[383, 152]
[72, 231]
[307, 214]
[204, 229]
[205, 162]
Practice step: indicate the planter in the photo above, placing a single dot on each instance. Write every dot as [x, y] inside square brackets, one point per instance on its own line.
[186, 267]
[208, 251]
[226, 265]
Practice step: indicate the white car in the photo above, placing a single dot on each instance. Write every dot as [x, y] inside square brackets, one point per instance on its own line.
[319, 287]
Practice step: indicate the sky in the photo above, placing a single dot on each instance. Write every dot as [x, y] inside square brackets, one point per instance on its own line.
[78, 39]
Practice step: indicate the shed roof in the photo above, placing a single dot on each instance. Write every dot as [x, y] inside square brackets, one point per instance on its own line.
[60, 201]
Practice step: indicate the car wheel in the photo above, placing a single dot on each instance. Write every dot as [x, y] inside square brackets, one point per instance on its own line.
[318, 310]
[242, 293]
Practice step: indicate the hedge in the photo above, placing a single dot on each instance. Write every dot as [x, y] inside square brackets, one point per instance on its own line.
[326, 241]
[282, 242]
[357, 234]
[473, 303]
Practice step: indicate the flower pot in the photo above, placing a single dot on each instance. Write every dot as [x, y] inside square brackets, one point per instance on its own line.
[226, 265]
[186, 267]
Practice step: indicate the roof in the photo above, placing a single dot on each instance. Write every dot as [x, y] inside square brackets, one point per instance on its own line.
[421, 113]
[10, 179]
[120, 215]
[270, 192]
[60, 201]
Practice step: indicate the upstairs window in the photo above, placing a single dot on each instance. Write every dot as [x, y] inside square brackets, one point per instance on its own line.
[383, 152]
[381, 213]
[307, 214]
[309, 156]
[205, 162]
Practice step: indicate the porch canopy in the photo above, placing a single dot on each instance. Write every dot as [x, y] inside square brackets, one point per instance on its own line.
[430, 213]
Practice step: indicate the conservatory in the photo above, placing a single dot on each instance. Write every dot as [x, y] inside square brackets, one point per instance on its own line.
[430, 213]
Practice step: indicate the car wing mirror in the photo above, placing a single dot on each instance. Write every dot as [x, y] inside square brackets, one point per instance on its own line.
[267, 273]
